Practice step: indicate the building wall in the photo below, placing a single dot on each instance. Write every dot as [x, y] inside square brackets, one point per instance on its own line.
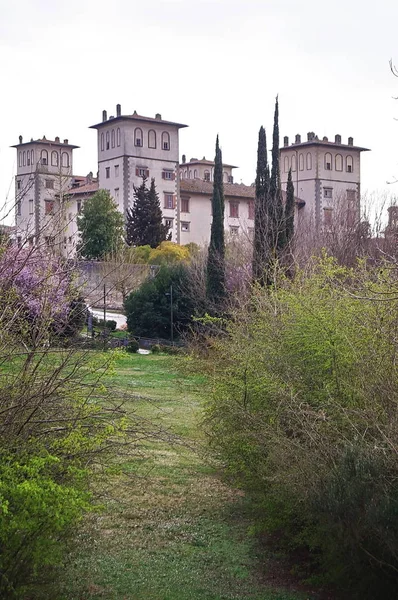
[198, 170]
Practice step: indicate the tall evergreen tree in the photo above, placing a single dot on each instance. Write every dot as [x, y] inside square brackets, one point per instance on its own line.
[289, 208]
[144, 224]
[276, 204]
[261, 209]
[215, 281]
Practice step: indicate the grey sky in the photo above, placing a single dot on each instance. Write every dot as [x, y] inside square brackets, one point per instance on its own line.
[215, 66]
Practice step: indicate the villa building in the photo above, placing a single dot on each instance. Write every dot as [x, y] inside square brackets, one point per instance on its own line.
[49, 197]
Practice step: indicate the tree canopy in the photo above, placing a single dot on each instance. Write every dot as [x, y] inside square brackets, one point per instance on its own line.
[144, 224]
[101, 226]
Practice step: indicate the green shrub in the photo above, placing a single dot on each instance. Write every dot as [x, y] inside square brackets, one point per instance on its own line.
[155, 349]
[133, 346]
[304, 414]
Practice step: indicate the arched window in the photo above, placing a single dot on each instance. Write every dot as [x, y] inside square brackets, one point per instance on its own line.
[138, 137]
[65, 159]
[24, 159]
[107, 141]
[151, 138]
[339, 162]
[54, 158]
[185, 174]
[349, 164]
[32, 157]
[44, 157]
[118, 136]
[102, 141]
[294, 163]
[165, 141]
[113, 138]
[190, 174]
[28, 157]
[20, 159]
[286, 164]
[181, 174]
[328, 161]
[301, 162]
[309, 161]
[225, 177]
[195, 174]
[207, 176]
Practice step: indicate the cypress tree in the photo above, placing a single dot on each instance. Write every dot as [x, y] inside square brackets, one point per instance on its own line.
[215, 276]
[276, 204]
[144, 224]
[289, 208]
[261, 217]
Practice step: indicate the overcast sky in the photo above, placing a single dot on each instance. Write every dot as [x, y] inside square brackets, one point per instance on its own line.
[214, 65]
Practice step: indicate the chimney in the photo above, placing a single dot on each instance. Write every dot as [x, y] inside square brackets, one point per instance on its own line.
[44, 137]
[310, 136]
[66, 141]
[298, 139]
[325, 139]
[104, 116]
[158, 116]
[89, 177]
[337, 139]
[20, 139]
[57, 139]
[285, 141]
[184, 158]
[118, 110]
[350, 141]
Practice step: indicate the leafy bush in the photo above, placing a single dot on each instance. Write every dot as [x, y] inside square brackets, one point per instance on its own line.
[155, 349]
[304, 415]
[148, 308]
[133, 346]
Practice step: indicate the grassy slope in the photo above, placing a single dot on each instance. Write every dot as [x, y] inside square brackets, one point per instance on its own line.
[174, 531]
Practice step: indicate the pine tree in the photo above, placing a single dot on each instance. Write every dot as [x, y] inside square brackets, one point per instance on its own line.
[276, 204]
[215, 281]
[289, 208]
[261, 209]
[144, 224]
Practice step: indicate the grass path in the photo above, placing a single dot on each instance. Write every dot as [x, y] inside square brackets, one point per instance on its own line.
[174, 531]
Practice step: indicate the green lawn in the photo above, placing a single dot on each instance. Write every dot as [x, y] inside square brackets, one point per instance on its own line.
[171, 529]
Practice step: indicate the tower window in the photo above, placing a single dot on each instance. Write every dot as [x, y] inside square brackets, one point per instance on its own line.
[107, 172]
[207, 176]
[169, 201]
[328, 192]
[44, 157]
[165, 140]
[185, 205]
[107, 140]
[349, 164]
[138, 137]
[328, 161]
[118, 136]
[65, 159]
[185, 226]
[168, 174]
[151, 138]
[234, 210]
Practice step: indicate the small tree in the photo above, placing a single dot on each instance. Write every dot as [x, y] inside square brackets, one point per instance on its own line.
[101, 226]
[144, 224]
[215, 282]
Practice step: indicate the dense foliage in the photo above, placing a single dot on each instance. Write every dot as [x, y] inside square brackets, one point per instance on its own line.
[100, 225]
[144, 220]
[304, 416]
[215, 278]
[148, 309]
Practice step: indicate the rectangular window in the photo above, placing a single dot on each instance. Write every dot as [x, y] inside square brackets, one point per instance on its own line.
[166, 146]
[351, 196]
[169, 223]
[116, 170]
[31, 206]
[185, 226]
[19, 208]
[142, 172]
[116, 193]
[19, 184]
[234, 230]
[349, 168]
[328, 192]
[328, 166]
[327, 217]
[185, 205]
[50, 184]
[168, 174]
[138, 142]
[107, 172]
[79, 206]
[169, 201]
[49, 207]
[251, 209]
[234, 209]
[207, 176]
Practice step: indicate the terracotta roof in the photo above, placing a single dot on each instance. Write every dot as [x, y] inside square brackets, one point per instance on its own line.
[89, 188]
[136, 117]
[198, 186]
[204, 161]
[328, 144]
[45, 141]
[235, 190]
